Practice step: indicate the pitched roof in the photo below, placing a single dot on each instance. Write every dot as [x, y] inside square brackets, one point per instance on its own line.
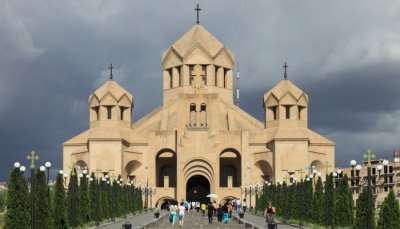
[197, 35]
[113, 88]
[284, 87]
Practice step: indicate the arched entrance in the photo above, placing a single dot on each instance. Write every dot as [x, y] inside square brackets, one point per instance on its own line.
[265, 170]
[197, 189]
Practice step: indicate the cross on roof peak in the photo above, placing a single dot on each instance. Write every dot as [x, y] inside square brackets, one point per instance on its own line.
[197, 9]
[111, 67]
[285, 66]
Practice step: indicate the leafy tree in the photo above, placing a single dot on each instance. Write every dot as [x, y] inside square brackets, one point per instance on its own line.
[389, 215]
[73, 200]
[329, 199]
[364, 216]
[84, 212]
[18, 202]
[344, 203]
[43, 209]
[60, 210]
[318, 203]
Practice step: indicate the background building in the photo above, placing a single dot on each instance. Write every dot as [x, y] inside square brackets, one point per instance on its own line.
[385, 176]
[199, 141]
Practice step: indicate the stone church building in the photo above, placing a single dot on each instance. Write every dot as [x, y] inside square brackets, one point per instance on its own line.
[199, 141]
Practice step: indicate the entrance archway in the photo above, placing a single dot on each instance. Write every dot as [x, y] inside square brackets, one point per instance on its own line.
[197, 189]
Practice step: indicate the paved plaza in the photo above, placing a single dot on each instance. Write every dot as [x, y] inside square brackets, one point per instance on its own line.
[192, 220]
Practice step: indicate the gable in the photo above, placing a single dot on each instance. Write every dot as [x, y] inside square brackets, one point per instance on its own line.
[171, 59]
[108, 100]
[288, 99]
[197, 56]
[125, 101]
[223, 59]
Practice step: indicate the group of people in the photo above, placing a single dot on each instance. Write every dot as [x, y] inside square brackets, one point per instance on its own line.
[177, 212]
[223, 212]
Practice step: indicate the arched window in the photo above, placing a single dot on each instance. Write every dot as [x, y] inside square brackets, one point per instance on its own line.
[166, 167]
[109, 111]
[203, 115]
[122, 109]
[230, 168]
[192, 115]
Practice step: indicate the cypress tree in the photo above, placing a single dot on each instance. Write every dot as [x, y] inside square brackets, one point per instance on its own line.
[300, 201]
[43, 209]
[60, 210]
[363, 217]
[344, 203]
[285, 201]
[389, 215]
[307, 200]
[73, 200]
[278, 199]
[318, 203]
[18, 215]
[84, 211]
[94, 200]
[329, 199]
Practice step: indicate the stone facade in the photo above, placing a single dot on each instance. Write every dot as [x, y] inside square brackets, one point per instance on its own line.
[198, 141]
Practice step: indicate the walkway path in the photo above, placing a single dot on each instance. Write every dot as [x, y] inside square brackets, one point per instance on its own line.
[259, 222]
[137, 221]
[197, 221]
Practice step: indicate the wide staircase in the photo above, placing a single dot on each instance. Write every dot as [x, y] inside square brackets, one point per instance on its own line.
[195, 220]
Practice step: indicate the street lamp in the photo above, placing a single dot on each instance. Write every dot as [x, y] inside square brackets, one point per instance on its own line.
[48, 166]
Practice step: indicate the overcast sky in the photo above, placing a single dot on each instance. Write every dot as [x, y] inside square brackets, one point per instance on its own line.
[344, 54]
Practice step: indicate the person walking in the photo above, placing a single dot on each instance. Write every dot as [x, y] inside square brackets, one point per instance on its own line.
[225, 213]
[181, 212]
[203, 207]
[238, 205]
[230, 208]
[210, 212]
[172, 214]
[269, 215]
[244, 205]
[220, 213]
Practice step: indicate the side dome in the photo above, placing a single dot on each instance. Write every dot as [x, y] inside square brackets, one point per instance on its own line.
[110, 102]
[285, 101]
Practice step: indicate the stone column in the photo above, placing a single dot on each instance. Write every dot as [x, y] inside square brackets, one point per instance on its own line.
[166, 79]
[210, 75]
[220, 77]
[185, 74]
[228, 79]
[175, 77]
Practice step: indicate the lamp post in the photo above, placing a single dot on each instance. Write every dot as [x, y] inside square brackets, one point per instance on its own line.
[369, 156]
[250, 191]
[48, 166]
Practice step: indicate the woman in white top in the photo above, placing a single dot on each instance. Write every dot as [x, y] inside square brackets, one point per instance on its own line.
[181, 210]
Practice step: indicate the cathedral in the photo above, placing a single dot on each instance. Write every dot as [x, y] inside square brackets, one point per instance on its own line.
[199, 141]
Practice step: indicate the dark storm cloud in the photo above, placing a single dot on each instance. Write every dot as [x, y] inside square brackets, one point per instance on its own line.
[54, 53]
